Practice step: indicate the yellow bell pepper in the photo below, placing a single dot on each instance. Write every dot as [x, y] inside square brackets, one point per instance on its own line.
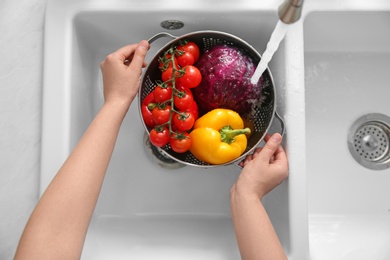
[218, 136]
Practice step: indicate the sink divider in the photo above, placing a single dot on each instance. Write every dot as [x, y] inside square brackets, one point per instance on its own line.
[295, 142]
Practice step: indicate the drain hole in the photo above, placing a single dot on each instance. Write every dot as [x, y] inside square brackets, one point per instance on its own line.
[368, 141]
[172, 24]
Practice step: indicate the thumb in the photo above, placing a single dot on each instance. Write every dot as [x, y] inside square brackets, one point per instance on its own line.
[139, 56]
[270, 147]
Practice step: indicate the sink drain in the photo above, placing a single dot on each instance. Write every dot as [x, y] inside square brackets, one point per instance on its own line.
[172, 24]
[369, 141]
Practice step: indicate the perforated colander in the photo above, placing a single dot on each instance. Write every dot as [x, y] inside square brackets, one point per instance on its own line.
[262, 114]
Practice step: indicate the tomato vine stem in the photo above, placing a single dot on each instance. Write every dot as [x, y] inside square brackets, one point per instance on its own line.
[175, 72]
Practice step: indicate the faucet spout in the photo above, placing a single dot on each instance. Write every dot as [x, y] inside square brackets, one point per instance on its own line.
[290, 11]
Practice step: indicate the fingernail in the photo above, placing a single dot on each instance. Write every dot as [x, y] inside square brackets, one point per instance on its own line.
[276, 138]
[144, 44]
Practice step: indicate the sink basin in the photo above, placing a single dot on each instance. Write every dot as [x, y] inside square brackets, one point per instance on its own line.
[331, 73]
[148, 209]
[347, 64]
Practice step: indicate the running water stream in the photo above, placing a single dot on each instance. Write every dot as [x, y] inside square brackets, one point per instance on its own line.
[273, 44]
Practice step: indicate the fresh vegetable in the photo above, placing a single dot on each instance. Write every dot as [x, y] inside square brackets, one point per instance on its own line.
[161, 114]
[191, 77]
[159, 136]
[167, 75]
[180, 142]
[146, 112]
[183, 121]
[194, 110]
[166, 61]
[186, 59]
[190, 47]
[171, 109]
[162, 93]
[218, 136]
[226, 73]
[183, 99]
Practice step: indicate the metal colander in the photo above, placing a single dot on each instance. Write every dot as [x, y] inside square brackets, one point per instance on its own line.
[262, 114]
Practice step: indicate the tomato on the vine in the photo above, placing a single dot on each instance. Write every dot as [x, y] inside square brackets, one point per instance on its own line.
[180, 142]
[188, 91]
[168, 74]
[165, 62]
[162, 93]
[183, 99]
[185, 59]
[159, 136]
[161, 114]
[193, 109]
[191, 77]
[146, 112]
[190, 47]
[183, 121]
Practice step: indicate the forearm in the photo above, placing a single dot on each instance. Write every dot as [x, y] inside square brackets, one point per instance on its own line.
[57, 227]
[255, 234]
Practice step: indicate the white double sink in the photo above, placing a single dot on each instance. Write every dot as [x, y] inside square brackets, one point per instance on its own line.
[331, 68]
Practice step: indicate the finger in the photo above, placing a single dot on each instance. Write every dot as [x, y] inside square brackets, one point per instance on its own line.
[258, 149]
[280, 156]
[267, 137]
[272, 145]
[257, 152]
[124, 53]
[139, 56]
[127, 63]
[278, 150]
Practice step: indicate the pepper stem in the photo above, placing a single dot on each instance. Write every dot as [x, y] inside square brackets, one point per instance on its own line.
[228, 133]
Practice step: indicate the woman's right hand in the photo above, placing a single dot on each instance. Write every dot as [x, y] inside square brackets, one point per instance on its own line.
[122, 71]
[263, 170]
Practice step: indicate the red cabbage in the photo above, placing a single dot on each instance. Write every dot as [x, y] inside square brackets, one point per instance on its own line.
[226, 73]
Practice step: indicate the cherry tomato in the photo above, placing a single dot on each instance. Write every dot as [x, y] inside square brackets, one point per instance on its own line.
[161, 114]
[185, 59]
[191, 77]
[192, 48]
[146, 112]
[181, 142]
[165, 62]
[183, 99]
[159, 136]
[162, 93]
[168, 73]
[184, 121]
[186, 90]
[193, 109]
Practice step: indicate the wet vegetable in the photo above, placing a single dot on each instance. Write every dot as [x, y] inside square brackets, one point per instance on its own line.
[226, 73]
[218, 136]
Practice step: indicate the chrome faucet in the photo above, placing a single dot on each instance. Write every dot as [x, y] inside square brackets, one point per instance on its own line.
[290, 11]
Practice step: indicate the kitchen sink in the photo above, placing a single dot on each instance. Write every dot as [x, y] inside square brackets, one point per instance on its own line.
[331, 76]
[150, 208]
[347, 64]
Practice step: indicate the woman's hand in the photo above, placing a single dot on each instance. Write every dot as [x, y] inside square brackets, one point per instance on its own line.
[263, 170]
[122, 71]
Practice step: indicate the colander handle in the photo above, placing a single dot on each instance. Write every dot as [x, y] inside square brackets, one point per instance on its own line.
[160, 35]
[281, 121]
